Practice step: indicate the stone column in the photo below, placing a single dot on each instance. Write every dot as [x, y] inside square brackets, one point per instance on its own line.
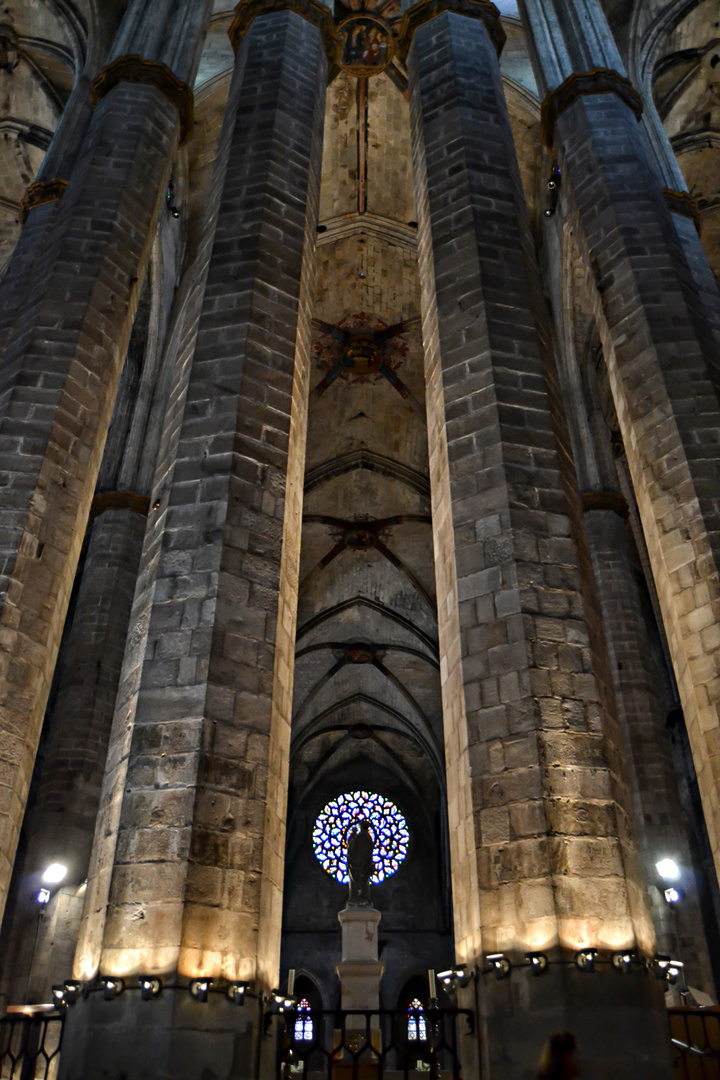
[542, 847]
[686, 212]
[62, 365]
[60, 826]
[60, 822]
[186, 874]
[38, 213]
[659, 344]
[661, 819]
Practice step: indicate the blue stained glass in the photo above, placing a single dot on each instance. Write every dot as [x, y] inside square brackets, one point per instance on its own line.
[387, 825]
[416, 1023]
[303, 1022]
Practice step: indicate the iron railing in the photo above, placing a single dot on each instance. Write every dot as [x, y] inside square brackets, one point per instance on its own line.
[30, 1046]
[350, 1045]
[695, 1035]
[355, 1044]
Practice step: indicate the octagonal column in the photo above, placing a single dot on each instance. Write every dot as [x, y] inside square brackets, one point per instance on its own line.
[542, 845]
[660, 346]
[62, 365]
[187, 869]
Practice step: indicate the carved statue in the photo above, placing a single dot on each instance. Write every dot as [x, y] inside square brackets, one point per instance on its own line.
[360, 845]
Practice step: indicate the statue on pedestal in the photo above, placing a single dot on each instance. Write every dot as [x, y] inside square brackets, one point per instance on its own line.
[360, 845]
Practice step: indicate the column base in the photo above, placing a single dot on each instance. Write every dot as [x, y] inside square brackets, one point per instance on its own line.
[171, 1037]
[619, 1022]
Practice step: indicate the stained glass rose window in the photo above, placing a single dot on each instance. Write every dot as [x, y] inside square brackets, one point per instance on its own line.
[387, 825]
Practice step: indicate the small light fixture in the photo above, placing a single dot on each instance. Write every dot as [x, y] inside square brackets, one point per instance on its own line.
[668, 869]
[199, 988]
[585, 960]
[43, 897]
[150, 987]
[112, 986]
[673, 895]
[674, 971]
[236, 992]
[538, 962]
[500, 964]
[58, 996]
[668, 969]
[661, 965]
[457, 977]
[623, 961]
[54, 874]
[72, 989]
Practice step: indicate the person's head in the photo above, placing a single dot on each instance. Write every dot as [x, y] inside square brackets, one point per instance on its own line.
[557, 1061]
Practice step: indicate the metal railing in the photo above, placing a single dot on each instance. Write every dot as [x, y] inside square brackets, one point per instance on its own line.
[355, 1044]
[695, 1036]
[30, 1046]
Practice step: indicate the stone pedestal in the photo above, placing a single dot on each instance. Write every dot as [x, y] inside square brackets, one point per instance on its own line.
[359, 970]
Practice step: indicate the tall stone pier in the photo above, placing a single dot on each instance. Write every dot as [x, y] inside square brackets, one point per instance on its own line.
[544, 856]
[186, 873]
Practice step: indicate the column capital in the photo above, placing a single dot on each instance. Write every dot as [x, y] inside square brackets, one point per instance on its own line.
[42, 191]
[425, 10]
[605, 500]
[577, 85]
[312, 10]
[119, 500]
[685, 204]
[135, 69]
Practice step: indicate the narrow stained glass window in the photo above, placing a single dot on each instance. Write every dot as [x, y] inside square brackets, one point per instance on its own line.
[303, 1022]
[416, 1023]
[387, 826]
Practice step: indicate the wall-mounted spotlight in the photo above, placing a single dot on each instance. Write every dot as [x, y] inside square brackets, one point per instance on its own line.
[236, 992]
[457, 977]
[623, 961]
[43, 897]
[280, 1002]
[585, 959]
[674, 971]
[199, 988]
[54, 874]
[668, 969]
[72, 989]
[668, 869]
[277, 1004]
[112, 986]
[449, 978]
[538, 962]
[500, 964]
[673, 895]
[150, 987]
